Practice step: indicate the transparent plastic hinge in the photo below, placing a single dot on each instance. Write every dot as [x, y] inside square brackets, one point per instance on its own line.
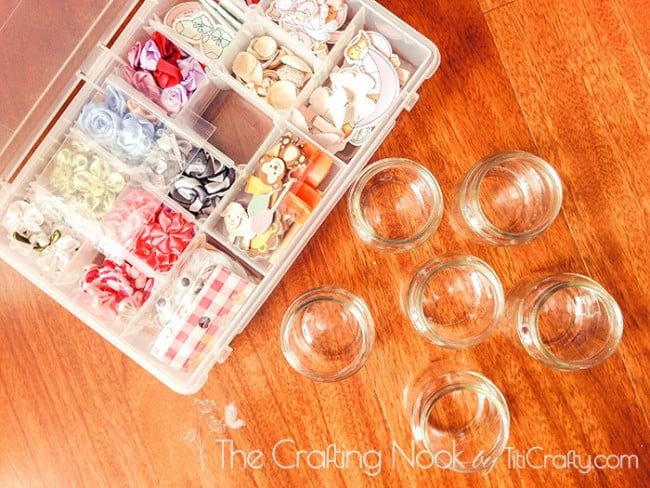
[412, 100]
[223, 354]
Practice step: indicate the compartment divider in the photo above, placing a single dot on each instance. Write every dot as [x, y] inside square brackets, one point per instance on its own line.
[195, 136]
[237, 253]
[243, 173]
[247, 95]
[335, 55]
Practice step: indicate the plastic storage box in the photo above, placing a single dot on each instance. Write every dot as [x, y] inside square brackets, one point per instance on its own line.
[112, 228]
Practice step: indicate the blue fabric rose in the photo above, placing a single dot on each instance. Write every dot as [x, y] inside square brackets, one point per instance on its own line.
[116, 102]
[99, 122]
[135, 136]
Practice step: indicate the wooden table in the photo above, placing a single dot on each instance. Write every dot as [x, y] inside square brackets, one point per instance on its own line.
[565, 79]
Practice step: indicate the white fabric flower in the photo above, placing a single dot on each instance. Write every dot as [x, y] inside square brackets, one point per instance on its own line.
[22, 216]
[56, 256]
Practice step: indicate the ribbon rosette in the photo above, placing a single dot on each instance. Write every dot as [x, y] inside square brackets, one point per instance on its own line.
[56, 256]
[192, 72]
[26, 224]
[112, 124]
[119, 287]
[203, 183]
[23, 217]
[173, 98]
[164, 239]
[143, 81]
[135, 137]
[128, 216]
[99, 122]
[116, 102]
[167, 49]
[163, 72]
[86, 180]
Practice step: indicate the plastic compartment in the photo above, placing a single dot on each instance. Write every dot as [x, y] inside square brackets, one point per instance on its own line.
[281, 189]
[206, 180]
[164, 239]
[240, 126]
[150, 151]
[258, 26]
[226, 120]
[197, 306]
[321, 40]
[158, 76]
[111, 291]
[192, 313]
[85, 180]
[38, 236]
[371, 52]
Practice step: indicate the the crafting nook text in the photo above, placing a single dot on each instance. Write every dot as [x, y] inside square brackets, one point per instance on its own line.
[286, 454]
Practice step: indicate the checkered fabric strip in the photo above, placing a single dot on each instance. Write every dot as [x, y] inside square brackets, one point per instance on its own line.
[219, 302]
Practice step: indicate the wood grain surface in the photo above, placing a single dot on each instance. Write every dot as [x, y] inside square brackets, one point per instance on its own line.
[568, 80]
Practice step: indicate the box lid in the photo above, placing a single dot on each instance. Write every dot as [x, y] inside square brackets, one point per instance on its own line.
[41, 52]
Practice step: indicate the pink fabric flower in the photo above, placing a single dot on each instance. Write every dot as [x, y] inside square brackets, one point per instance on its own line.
[193, 73]
[173, 99]
[149, 56]
[133, 56]
[128, 216]
[143, 81]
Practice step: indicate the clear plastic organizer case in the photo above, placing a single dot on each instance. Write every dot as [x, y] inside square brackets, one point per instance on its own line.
[165, 219]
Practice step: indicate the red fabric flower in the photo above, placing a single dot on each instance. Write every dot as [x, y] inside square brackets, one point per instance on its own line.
[164, 239]
[116, 286]
[167, 74]
[167, 49]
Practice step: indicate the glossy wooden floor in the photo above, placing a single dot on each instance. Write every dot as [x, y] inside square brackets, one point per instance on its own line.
[568, 80]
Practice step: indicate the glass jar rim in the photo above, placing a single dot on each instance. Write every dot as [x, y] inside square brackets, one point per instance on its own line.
[483, 386]
[441, 263]
[363, 318]
[366, 232]
[475, 176]
[575, 280]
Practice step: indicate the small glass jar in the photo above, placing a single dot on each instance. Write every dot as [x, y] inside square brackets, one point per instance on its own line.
[455, 300]
[395, 205]
[459, 416]
[507, 199]
[566, 321]
[327, 334]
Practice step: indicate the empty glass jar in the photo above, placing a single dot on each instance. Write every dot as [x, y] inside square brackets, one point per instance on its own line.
[395, 205]
[459, 416]
[327, 334]
[506, 199]
[455, 300]
[566, 321]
